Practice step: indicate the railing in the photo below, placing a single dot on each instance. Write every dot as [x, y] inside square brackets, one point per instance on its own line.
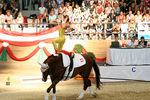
[88, 30]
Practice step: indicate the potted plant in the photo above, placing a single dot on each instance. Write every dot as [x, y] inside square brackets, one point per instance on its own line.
[8, 81]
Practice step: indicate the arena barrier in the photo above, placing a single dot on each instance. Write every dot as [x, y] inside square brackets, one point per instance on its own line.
[125, 73]
[108, 74]
[124, 30]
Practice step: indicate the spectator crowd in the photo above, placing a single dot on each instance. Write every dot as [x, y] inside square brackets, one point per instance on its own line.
[94, 19]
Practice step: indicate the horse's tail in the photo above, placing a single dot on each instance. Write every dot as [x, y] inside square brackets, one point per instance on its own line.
[97, 72]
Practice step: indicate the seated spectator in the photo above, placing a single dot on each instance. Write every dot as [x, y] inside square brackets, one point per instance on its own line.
[108, 8]
[60, 15]
[52, 19]
[62, 7]
[13, 25]
[112, 16]
[87, 3]
[44, 20]
[124, 29]
[117, 9]
[83, 8]
[99, 29]
[116, 43]
[107, 2]
[121, 17]
[84, 28]
[68, 9]
[91, 28]
[132, 42]
[4, 9]
[130, 17]
[14, 10]
[49, 8]
[77, 28]
[2, 19]
[146, 17]
[100, 7]
[8, 18]
[1, 4]
[92, 7]
[138, 17]
[116, 29]
[132, 28]
[42, 10]
[59, 2]
[125, 8]
[142, 43]
[133, 8]
[20, 21]
[56, 10]
[77, 9]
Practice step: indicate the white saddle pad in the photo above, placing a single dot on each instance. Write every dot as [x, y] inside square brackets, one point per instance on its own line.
[78, 61]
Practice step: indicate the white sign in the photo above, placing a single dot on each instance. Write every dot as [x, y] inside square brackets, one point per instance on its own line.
[120, 73]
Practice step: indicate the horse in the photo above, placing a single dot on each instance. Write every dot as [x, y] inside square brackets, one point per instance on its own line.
[53, 67]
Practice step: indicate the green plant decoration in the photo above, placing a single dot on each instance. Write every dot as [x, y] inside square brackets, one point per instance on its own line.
[78, 48]
[8, 79]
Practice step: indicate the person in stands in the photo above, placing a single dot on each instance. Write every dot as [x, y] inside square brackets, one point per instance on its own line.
[8, 18]
[142, 42]
[20, 21]
[132, 42]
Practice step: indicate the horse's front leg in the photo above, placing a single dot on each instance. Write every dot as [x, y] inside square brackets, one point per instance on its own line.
[51, 86]
[54, 93]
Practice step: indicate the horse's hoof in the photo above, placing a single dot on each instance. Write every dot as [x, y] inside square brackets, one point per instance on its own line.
[94, 95]
[79, 98]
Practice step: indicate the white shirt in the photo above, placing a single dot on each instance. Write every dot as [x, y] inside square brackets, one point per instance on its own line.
[124, 28]
[131, 44]
[2, 17]
[108, 9]
[42, 10]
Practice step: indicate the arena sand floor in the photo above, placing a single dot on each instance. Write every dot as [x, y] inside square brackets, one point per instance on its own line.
[68, 90]
[71, 89]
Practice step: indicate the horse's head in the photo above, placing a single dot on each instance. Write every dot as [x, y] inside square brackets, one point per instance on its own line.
[44, 70]
[46, 67]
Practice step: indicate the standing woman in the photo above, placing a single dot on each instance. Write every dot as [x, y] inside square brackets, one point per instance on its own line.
[20, 21]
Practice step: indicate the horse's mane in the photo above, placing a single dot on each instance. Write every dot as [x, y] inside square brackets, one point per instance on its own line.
[53, 59]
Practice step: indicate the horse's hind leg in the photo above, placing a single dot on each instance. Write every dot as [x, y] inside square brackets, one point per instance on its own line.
[87, 83]
[90, 89]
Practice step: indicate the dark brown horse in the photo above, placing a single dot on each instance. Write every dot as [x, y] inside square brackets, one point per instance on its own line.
[53, 66]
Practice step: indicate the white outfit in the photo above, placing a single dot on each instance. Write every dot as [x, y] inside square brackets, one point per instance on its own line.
[20, 21]
[131, 44]
[124, 29]
[108, 9]
[42, 10]
[2, 17]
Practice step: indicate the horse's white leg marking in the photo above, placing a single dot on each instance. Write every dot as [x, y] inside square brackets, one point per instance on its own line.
[46, 96]
[82, 94]
[54, 96]
[91, 91]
